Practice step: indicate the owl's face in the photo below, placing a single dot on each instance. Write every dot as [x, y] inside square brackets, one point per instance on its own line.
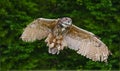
[65, 22]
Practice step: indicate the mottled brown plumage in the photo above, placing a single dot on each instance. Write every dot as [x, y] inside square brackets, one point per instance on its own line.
[62, 33]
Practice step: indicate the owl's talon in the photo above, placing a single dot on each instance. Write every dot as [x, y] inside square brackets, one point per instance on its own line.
[59, 47]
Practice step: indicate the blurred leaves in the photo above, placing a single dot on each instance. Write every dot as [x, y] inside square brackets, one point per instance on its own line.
[102, 17]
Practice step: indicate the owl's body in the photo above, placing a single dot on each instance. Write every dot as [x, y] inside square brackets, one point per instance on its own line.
[62, 33]
[55, 39]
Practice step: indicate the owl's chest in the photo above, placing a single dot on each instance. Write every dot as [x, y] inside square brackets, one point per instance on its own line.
[60, 31]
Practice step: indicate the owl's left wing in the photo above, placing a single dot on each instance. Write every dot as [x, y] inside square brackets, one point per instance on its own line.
[38, 29]
[86, 44]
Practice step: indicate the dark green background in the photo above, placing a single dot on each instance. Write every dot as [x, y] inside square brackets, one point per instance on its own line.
[102, 17]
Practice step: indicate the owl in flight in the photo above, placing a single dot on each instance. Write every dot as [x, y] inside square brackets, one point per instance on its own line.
[62, 33]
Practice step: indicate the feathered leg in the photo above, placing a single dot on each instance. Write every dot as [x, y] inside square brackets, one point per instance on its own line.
[55, 43]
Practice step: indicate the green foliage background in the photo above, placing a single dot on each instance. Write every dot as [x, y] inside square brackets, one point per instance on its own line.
[102, 17]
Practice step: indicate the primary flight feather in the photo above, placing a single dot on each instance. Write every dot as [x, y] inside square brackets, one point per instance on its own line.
[62, 33]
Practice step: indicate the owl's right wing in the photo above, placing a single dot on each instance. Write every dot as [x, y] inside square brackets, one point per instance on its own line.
[87, 44]
[38, 29]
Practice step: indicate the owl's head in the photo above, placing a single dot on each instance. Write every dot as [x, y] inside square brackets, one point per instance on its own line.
[65, 22]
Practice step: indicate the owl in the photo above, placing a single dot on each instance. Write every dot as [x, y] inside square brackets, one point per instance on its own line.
[61, 33]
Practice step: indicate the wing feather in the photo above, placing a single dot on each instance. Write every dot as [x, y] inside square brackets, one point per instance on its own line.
[38, 29]
[86, 44]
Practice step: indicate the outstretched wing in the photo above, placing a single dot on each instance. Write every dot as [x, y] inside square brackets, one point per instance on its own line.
[86, 44]
[38, 29]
